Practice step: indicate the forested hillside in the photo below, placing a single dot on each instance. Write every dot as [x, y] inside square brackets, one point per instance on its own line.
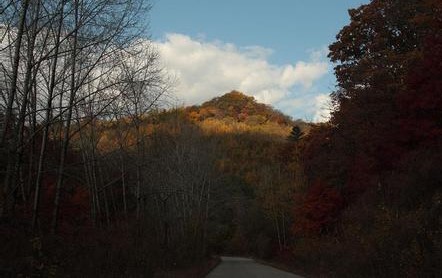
[102, 178]
[159, 191]
[372, 204]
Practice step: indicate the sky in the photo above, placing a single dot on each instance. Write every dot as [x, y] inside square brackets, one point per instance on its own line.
[273, 50]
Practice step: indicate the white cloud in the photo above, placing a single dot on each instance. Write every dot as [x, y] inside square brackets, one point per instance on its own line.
[322, 108]
[207, 69]
[303, 73]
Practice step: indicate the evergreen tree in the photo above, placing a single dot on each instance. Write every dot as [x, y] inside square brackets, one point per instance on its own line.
[295, 134]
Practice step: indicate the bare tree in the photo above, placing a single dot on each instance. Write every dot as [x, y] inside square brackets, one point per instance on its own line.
[58, 57]
[144, 85]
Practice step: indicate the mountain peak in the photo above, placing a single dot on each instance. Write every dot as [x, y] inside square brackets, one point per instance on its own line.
[235, 96]
[239, 107]
[232, 100]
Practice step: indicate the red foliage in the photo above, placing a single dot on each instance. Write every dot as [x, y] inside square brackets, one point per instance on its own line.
[360, 177]
[317, 151]
[74, 206]
[421, 104]
[317, 209]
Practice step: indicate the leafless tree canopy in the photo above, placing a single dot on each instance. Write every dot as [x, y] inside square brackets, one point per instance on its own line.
[65, 66]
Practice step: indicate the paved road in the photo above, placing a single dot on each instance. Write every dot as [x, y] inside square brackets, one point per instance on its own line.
[235, 267]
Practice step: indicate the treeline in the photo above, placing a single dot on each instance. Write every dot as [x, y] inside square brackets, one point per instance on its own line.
[160, 193]
[98, 180]
[69, 69]
[371, 206]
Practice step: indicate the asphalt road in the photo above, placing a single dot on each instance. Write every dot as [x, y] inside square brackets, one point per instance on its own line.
[235, 267]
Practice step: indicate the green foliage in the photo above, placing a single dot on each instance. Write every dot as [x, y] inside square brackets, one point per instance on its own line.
[295, 134]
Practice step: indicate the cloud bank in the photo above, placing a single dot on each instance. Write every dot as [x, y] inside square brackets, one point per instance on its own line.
[207, 69]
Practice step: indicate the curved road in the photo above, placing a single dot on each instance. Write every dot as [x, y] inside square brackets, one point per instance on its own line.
[235, 267]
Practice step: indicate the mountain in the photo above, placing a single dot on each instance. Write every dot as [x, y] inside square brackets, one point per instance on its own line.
[238, 107]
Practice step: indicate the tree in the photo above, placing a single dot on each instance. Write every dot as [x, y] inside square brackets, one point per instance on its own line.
[56, 58]
[363, 168]
[317, 209]
[295, 134]
[374, 55]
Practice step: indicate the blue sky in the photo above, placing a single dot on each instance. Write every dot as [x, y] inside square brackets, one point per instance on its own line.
[274, 50]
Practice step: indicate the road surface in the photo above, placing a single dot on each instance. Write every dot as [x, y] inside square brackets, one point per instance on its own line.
[235, 267]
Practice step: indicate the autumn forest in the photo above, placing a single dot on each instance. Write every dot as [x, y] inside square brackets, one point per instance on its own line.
[103, 176]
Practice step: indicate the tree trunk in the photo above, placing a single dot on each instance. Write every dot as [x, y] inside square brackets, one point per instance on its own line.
[66, 138]
[48, 120]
